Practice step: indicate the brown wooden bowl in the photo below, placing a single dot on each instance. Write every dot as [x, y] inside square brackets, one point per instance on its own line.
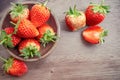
[45, 51]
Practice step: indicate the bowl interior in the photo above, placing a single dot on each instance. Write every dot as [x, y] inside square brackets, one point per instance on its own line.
[44, 50]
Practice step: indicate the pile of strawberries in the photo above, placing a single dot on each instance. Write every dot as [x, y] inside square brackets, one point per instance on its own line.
[94, 15]
[29, 31]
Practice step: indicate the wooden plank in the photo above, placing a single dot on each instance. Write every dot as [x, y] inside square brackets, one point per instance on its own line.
[73, 58]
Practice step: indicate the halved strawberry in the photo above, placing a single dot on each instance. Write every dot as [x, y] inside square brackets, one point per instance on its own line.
[19, 11]
[46, 34]
[75, 19]
[8, 38]
[14, 67]
[29, 48]
[94, 34]
[39, 14]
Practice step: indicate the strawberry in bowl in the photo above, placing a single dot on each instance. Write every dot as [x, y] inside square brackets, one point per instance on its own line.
[27, 29]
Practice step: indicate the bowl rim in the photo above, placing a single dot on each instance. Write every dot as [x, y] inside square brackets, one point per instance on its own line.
[54, 45]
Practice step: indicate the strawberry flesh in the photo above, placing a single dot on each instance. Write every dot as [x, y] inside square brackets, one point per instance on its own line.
[94, 34]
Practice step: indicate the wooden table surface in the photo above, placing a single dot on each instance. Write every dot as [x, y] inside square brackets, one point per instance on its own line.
[73, 58]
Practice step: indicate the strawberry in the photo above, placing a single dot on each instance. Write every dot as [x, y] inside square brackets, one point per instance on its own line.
[8, 38]
[29, 48]
[94, 34]
[25, 29]
[14, 67]
[39, 14]
[46, 34]
[18, 11]
[95, 13]
[9, 30]
[75, 19]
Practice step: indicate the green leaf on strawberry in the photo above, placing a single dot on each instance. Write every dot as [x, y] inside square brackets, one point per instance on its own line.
[6, 39]
[17, 10]
[101, 8]
[102, 35]
[14, 67]
[73, 11]
[30, 52]
[48, 37]
[8, 64]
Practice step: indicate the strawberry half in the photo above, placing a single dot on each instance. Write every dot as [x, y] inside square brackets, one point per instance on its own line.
[8, 38]
[95, 13]
[25, 29]
[29, 48]
[75, 19]
[39, 14]
[94, 34]
[18, 11]
[14, 67]
[46, 34]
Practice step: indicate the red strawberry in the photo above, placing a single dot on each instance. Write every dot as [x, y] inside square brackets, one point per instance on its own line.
[39, 14]
[8, 38]
[46, 34]
[94, 34]
[25, 29]
[14, 67]
[95, 13]
[18, 11]
[29, 48]
[9, 30]
[75, 19]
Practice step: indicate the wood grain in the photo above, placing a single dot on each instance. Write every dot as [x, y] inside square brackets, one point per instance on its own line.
[73, 58]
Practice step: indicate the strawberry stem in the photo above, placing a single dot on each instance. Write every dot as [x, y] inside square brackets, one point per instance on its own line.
[1, 42]
[73, 11]
[102, 2]
[16, 25]
[3, 59]
[45, 3]
[12, 23]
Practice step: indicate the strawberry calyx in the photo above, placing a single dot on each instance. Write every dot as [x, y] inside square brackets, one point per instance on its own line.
[6, 39]
[7, 63]
[100, 8]
[73, 11]
[17, 10]
[48, 37]
[102, 35]
[29, 52]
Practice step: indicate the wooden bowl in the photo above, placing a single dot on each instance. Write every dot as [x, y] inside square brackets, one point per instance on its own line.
[45, 51]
